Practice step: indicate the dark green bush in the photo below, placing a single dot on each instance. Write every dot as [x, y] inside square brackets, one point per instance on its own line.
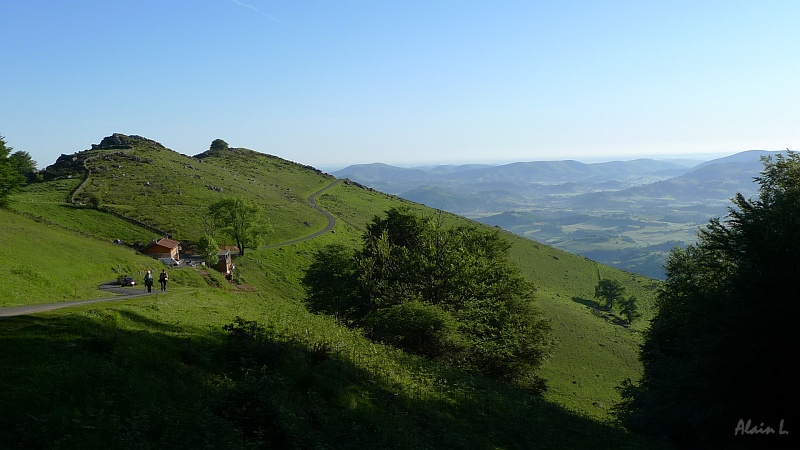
[446, 293]
[420, 328]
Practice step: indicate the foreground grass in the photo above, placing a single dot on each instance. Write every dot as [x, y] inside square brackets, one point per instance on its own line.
[159, 372]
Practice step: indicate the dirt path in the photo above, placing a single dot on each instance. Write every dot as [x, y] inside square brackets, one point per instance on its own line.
[125, 293]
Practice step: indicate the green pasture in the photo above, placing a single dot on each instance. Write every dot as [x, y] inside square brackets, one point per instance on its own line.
[327, 386]
[42, 263]
[156, 374]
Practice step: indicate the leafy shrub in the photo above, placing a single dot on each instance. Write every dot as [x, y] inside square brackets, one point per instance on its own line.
[418, 327]
[448, 293]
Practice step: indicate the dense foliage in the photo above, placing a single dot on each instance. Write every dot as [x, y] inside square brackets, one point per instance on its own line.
[208, 249]
[721, 350]
[241, 220]
[218, 144]
[10, 177]
[610, 291]
[24, 163]
[445, 293]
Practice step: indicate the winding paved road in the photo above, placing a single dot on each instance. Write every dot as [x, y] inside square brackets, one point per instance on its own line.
[125, 293]
[312, 200]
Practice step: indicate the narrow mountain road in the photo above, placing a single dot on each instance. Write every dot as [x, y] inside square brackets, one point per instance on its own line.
[312, 200]
[125, 293]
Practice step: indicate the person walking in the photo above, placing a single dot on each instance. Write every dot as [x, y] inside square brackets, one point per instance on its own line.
[148, 281]
[163, 278]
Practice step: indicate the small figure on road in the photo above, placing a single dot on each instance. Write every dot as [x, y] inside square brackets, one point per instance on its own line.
[148, 281]
[163, 278]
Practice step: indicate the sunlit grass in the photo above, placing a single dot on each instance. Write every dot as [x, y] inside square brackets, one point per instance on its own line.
[176, 336]
[44, 264]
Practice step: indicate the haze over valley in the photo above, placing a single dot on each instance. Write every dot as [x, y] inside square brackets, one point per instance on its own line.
[627, 214]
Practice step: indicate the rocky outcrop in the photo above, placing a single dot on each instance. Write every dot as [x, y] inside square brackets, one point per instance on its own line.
[121, 141]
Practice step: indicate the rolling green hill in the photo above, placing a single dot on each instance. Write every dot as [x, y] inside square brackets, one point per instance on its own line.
[46, 264]
[328, 377]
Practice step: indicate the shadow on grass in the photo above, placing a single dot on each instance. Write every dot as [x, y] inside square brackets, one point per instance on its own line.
[602, 312]
[75, 381]
[590, 303]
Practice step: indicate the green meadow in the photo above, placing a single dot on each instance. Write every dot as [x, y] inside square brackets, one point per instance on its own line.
[243, 364]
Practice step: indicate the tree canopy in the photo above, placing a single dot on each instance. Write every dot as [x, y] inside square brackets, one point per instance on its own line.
[23, 162]
[208, 249]
[722, 346]
[610, 291]
[218, 144]
[10, 178]
[445, 293]
[241, 220]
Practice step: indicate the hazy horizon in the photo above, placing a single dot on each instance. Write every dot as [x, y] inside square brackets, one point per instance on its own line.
[694, 157]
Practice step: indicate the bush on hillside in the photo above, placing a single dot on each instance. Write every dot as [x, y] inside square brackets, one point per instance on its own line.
[445, 293]
[218, 144]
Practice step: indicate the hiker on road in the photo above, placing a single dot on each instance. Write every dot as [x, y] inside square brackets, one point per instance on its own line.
[148, 281]
[163, 278]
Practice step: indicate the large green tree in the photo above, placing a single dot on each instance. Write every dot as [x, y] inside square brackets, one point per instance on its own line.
[23, 162]
[10, 178]
[242, 221]
[722, 348]
[445, 293]
[610, 291]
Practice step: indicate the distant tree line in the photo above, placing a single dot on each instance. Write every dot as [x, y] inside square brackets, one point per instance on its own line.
[449, 294]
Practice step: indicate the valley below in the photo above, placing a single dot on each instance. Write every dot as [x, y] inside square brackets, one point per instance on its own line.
[626, 214]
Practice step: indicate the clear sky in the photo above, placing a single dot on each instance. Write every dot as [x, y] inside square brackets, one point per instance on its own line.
[332, 82]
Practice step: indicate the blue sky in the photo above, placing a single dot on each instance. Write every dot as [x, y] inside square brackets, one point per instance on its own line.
[332, 83]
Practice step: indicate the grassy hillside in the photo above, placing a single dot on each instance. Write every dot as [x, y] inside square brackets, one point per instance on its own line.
[335, 378]
[594, 352]
[46, 264]
[48, 202]
[170, 191]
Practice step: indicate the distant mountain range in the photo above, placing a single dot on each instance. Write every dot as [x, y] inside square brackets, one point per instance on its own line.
[654, 202]
[514, 176]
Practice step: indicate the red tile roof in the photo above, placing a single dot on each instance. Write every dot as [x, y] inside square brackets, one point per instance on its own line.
[168, 243]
